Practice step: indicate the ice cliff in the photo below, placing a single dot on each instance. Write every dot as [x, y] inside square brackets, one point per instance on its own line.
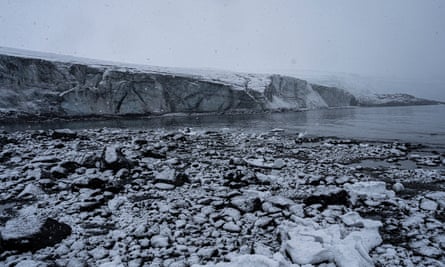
[50, 85]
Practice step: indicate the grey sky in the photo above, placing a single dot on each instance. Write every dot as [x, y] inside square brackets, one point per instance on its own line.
[394, 40]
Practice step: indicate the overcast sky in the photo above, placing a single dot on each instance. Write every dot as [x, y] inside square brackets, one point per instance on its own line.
[397, 40]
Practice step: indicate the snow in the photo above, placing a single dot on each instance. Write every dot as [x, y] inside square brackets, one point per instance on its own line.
[241, 81]
[428, 204]
[111, 154]
[244, 261]
[373, 190]
[26, 224]
[306, 244]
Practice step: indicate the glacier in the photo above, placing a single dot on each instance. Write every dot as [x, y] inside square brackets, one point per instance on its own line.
[49, 85]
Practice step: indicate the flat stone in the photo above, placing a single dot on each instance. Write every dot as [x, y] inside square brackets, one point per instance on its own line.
[428, 204]
[30, 232]
[164, 186]
[231, 227]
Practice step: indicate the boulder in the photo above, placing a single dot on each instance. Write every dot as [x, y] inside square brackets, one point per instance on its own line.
[30, 232]
[113, 159]
[328, 196]
[64, 134]
[170, 176]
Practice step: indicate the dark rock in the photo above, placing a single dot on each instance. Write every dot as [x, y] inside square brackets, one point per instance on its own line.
[91, 205]
[90, 182]
[6, 155]
[49, 233]
[58, 172]
[69, 166]
[171, 176]
[335, 197]
[88, 160]
[237, 161]
[64, 134]
[140, 142]
[151, 153]
[239, 178]
[246, 203]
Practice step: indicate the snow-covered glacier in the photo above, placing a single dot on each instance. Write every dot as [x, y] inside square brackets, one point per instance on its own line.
[33, 83]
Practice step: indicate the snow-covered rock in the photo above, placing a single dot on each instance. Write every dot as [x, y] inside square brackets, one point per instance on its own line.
[373, 191]
[30, 231]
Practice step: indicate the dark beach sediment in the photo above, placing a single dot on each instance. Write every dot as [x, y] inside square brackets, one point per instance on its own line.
[191, 196]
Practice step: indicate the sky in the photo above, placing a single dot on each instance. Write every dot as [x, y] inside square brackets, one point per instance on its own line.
[400, 43]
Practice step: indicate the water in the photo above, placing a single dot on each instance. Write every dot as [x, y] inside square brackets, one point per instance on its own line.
[418, 124]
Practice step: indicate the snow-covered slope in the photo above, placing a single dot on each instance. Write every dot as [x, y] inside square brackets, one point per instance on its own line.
[371, 91]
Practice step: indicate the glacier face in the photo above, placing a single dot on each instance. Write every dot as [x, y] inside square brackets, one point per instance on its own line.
[38, 86]
[46, 85]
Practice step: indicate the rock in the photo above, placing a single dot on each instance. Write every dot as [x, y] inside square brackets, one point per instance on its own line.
[342, 180]
[89, 182]
[113, 159]
[354, 219]
[64, 134]
[278, 164]
[246, 202]
[58, 172]
[428, 204]
[429, 251]
[31, 191]
[29, 232]
[98, 253]
[170, 176]
[270, 208]
[76, 263]
[231, 227]
[260, 163]
[232, 213]
[246, 260]
[164, 186]
[239, 178]
[159, 241]
[151, 153]
[31, 263]
[280, 201]
[398, 187]
[438, 197]
[115, 203]
[328, 196]
[207, 252]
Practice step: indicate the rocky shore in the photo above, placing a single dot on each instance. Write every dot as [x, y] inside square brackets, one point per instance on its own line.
[113, 197]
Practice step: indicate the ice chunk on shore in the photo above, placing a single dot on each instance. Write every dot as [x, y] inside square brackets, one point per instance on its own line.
[373, 190]
[311, 244]
[306, 242]
[246, 260]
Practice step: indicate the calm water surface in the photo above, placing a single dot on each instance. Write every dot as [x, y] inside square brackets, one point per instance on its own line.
[419, 124]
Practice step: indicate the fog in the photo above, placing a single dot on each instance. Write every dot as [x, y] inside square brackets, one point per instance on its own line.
[386, 46]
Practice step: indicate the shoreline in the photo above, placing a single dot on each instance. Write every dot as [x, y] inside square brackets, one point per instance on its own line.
[20, 117]
[196, 196]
